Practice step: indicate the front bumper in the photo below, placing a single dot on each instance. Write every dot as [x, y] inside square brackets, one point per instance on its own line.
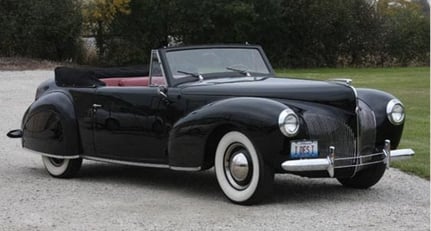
[328, 163]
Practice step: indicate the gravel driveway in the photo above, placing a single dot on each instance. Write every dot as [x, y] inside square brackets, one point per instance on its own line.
[113, 197]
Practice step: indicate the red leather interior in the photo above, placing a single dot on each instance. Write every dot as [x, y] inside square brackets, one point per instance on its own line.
[135, 81]
[111, 81]
[140, 81]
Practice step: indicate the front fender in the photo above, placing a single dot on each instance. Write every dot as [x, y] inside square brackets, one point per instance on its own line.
[377, 101]
[256, 117]
[49, 126]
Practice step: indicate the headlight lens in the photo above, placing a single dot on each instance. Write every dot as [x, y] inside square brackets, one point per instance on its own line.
[288, 122]
[395, 112]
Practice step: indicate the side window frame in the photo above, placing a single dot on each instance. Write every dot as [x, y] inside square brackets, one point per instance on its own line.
[155, 60]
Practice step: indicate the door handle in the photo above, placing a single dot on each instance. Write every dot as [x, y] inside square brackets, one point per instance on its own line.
[95, 107]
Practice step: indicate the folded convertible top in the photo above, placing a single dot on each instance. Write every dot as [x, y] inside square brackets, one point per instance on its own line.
[89, 76]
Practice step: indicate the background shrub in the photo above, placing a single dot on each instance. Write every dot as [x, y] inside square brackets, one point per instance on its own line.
[46, 29]
[301, 33]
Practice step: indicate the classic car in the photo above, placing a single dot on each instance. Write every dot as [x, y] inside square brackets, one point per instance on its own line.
[221, 106]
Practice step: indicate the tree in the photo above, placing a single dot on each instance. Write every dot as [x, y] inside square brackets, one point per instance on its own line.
[133, 35]
[47, 29]
[98, 16]
[302, 33]
[406, 33]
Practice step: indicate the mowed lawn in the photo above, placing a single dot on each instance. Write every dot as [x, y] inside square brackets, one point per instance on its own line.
[411, 85]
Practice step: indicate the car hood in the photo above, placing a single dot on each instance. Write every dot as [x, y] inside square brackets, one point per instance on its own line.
[325, 92]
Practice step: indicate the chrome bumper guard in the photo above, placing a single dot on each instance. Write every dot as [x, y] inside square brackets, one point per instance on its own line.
[328, 163]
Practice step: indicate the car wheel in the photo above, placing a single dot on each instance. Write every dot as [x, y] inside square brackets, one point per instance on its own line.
[241, 172]
[62, 168]
[365, 178]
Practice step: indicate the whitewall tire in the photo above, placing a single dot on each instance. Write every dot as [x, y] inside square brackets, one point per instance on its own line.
[241, 172]
[62, 168]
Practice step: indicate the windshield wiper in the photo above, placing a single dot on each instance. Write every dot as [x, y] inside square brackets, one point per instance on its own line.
[197, 75]
[244, 72]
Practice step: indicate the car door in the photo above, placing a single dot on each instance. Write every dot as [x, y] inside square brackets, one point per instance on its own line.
[130, 124]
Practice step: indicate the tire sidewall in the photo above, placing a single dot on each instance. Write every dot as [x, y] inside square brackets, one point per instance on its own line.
[55, 170]
[231, 192]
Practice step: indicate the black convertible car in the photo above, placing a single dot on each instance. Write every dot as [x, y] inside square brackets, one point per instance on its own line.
[217, 106]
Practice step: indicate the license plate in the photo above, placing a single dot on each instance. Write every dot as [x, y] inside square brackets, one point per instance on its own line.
[303, 149]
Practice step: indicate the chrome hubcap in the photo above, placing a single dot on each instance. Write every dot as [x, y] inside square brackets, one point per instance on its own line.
[238, 166]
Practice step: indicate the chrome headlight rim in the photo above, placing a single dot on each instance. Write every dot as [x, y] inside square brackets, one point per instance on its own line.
[394, 104]
[282, 118]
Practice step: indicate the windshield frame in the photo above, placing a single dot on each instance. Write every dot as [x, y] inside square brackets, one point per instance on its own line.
[177, 81]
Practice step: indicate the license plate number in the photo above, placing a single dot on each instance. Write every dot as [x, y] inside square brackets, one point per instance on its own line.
[303, 149]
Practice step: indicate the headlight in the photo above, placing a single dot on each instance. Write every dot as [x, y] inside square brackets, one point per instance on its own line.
[395, 112]
[288, 122]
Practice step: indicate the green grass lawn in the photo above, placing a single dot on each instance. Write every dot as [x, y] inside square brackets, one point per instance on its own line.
[411, 85]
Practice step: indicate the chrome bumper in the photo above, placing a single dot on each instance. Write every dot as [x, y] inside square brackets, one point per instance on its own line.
[328, 163]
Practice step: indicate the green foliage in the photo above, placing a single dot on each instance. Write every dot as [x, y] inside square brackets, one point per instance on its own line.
[133, 35]
[98, 17]
[406, 31]
[301, 33]
[318, 33]
[46, 29]
[224, 21]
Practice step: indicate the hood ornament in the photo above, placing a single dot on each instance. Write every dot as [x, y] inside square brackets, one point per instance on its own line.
[342, 80]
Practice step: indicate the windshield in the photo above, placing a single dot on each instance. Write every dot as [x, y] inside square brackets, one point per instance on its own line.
[215, 60]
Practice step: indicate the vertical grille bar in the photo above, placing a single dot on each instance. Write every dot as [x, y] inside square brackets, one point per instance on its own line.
[367, 130]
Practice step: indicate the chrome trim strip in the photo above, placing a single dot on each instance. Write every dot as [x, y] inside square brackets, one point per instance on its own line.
[52, 155]
[139, 164]
[185, 168]
[60, 157]
[358, 128]
[126, 162]
[363, 164]
[176, 168]
[364, 156]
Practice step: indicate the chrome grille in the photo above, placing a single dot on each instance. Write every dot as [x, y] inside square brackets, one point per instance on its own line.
[334, 131]
[331, 131]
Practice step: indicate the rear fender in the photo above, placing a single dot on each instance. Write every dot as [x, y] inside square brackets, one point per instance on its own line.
[49, 126]
[192, 135]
